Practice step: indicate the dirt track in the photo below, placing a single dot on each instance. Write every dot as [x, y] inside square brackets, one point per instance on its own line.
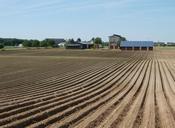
[87, 89]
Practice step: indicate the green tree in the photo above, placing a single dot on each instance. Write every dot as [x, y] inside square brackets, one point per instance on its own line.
[78, 40]
[11, 41]
[71, 41]
[35, 43]
[93, 39]
[43, 43]
[97, 42]
[1, 46]
[50, 43]
[123, 39]
[27, 43]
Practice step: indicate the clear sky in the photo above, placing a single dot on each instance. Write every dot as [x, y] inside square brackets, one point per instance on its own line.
[134, 19]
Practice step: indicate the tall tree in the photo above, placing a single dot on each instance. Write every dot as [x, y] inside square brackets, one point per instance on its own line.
[27, 43]
[43, 43]
[50, 42]
[97, 42]
[1, 46]
[123, 39]
[93, 39]
[70, 41]
[35, 43]
[78, 40]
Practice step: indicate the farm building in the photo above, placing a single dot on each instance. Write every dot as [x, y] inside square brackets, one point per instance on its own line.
[137, 45]
[170, 44]
[87, 44]
[62, 45]
[159, 44]
[81, 45]
[115, 40]
[73, 46]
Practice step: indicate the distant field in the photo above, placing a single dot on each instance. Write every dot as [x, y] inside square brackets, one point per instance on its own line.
[165, 48]
[87, 89]
[60, 52]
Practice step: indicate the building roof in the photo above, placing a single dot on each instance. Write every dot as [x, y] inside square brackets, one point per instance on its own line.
[86, 42]
[159, 42]
[137, 44]
[74, 44]
[116, 35]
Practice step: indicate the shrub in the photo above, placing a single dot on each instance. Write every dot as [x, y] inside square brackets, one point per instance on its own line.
[1, 46]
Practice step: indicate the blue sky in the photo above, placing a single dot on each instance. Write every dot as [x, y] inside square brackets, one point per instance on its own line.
[134, 19]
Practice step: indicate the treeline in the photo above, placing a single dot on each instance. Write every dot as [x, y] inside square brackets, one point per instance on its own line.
[37, 43]
[26, 43]
[10, 41]
[46, 43]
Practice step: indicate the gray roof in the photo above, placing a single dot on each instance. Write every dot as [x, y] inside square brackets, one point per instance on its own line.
[86, 42]
[73, 44]
[116, 35]
[137, 44]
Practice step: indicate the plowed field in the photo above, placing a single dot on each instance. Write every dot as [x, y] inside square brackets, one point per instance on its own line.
[87, 89]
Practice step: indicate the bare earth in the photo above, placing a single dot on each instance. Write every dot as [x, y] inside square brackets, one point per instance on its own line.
[87, 89]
